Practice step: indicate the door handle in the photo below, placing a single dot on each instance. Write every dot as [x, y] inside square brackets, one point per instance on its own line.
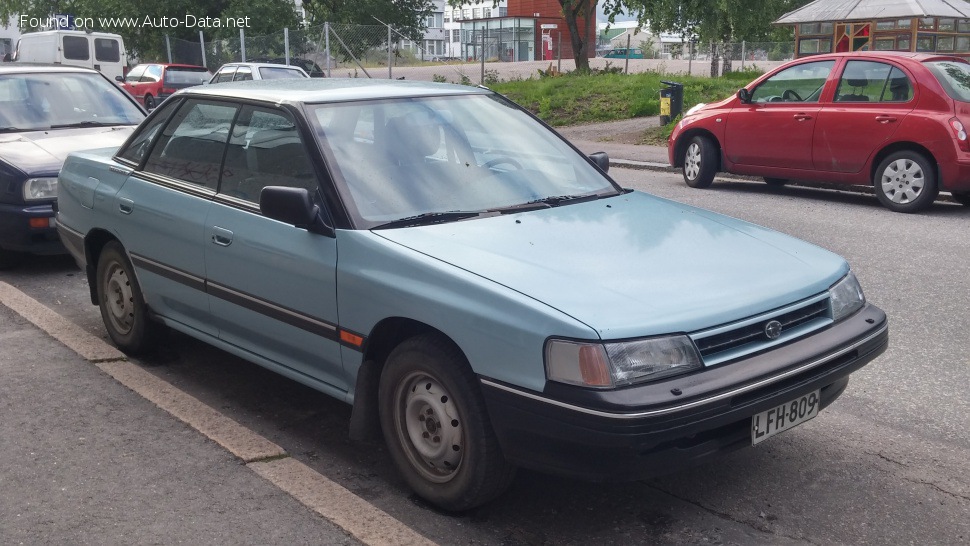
[126, 206]
[885, 119]
[221, 236]
[802, 117]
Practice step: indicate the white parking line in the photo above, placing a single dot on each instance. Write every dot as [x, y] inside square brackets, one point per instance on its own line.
[357, 517]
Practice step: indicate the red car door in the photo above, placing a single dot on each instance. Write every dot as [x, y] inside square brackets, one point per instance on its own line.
[776, 128]
[870, 102]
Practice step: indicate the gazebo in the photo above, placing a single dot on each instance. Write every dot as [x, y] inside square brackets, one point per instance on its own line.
[826, 26]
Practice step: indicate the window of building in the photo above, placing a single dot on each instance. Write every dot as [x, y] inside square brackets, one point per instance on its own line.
[946, 25]
[926, 42]
[809, 46]
[478, 13]
[466, 13]
[884, 44]
[927, 23]
[486, 12]
[944, 43]
[456, 35]
[962, 43]
[963, 25]
[456, 14]
[815, 29]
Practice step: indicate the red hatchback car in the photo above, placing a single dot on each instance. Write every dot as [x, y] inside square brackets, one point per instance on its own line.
[891, 120]
[152, 83]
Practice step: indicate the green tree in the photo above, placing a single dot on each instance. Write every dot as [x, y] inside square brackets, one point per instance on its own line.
[408, 17]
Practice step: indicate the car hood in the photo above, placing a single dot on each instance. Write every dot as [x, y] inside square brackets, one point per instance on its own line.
[39, 153]
[634, 265]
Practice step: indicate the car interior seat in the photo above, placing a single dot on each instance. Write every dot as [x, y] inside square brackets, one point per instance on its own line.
[857, 85]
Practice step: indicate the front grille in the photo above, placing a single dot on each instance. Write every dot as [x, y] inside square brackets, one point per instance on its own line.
[751, 336]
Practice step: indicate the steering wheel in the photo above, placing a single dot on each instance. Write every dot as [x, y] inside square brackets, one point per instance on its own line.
[789, 94]
[504, 160]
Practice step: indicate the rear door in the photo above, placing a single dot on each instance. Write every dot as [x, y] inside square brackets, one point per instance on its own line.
[870, 102]
[776, 128]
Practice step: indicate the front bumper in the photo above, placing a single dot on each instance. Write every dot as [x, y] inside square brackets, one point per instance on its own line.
[17, 235]
[647, 430]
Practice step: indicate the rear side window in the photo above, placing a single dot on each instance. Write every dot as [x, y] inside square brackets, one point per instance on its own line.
[870, 81]
[954, 77]
[107, 50]
[225, 75]
[76, 48]
[191, 146]
[152, 74]
[243, 73]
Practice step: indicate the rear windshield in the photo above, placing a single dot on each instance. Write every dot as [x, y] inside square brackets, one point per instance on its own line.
[279, 73]
[954, 76]
[191, 76]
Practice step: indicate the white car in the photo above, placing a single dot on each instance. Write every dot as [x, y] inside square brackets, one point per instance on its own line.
[234, 72]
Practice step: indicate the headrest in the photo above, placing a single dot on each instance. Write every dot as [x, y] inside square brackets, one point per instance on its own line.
[857, 82]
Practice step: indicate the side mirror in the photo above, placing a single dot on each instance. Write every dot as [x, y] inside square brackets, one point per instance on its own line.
[119, 79]
[744, 95]
[602, 160]
[292, 206]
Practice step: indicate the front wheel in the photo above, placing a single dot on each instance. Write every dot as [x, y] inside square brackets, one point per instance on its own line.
[149, 102]
[122, 305]
[905, 182]
[700, 162]
[436, 426]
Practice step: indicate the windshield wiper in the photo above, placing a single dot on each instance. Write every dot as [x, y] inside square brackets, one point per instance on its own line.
[521, 207]
[429, 218]
[556, 200]
[85, 124]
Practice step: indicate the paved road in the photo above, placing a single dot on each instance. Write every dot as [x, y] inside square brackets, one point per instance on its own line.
[885, 464]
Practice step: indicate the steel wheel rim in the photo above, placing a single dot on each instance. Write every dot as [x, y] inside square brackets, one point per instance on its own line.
[902, 181]
[119, 298]
[429, 427]
[692, 161]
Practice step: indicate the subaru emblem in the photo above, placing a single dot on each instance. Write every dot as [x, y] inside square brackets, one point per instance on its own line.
[773, 329]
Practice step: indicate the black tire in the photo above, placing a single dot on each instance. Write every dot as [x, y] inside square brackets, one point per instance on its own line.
[149, 102]
[700, 162]
[962, 197]
[436, 426]
[905, 182]
[123, 308]
[775, 182]
[10, 259]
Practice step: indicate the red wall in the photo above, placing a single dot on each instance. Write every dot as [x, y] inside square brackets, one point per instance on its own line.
[550, 11]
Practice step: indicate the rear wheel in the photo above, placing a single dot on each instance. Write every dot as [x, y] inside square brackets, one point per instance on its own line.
[700, 162]
[436, 426]
[905, 182]
[122, 305]
[149, 102]
[776, 182]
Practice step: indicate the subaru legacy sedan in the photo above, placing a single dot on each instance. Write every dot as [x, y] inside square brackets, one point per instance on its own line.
[893, 121]
[46, 112]
[478, 290]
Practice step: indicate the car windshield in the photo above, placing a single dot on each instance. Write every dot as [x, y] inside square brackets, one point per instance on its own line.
[420, 157]
[34, 101]
[954, 77]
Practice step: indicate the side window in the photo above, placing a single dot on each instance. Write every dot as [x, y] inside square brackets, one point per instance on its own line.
[869, 81]
[76, 48]
[138, 147]
[107, 50]
[265, 150]
[799, 83]
[135, 73]
[243, 73]
[191, 146]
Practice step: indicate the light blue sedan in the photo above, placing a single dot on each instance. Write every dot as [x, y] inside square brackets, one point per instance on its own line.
[479, 291]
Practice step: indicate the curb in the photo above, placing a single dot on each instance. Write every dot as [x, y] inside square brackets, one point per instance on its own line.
[358, 518]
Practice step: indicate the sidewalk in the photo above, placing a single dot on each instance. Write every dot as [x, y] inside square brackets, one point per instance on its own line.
[610, 137]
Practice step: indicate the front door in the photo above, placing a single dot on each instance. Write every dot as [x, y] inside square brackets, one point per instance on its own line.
[775, 129]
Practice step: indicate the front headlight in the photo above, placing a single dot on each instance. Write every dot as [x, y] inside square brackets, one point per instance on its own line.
[846, 297]
[607, 365]
[36, 189]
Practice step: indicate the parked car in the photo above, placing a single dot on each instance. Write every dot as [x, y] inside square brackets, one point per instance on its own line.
[256, 71]
[498, 300]
[624, 53]
[308, 65]
[45, 113]
[894, 121]
[152, 83]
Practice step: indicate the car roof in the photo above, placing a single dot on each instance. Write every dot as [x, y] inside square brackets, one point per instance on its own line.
[915, 56]
[316, 90]
[259, 65]
[39, 68]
